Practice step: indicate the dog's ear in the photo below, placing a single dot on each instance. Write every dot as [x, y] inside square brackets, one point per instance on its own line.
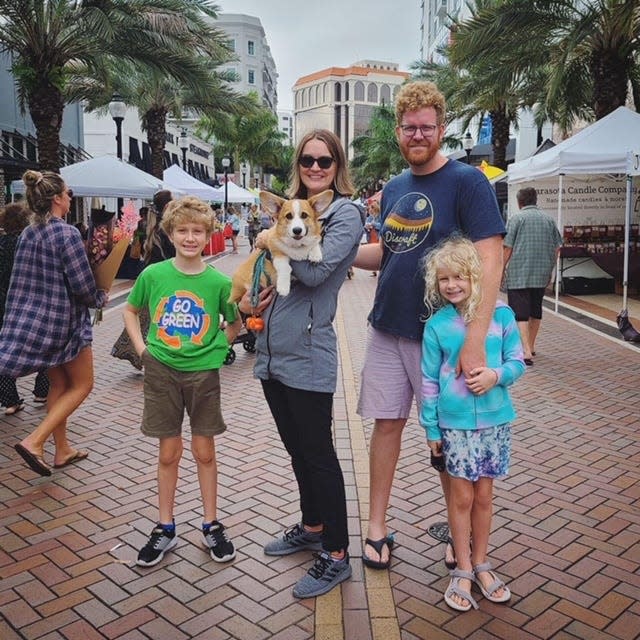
[321, 201]
[271, 203]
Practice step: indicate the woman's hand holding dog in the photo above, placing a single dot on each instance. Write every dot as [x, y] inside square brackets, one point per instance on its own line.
[260, 241]
[265, 297]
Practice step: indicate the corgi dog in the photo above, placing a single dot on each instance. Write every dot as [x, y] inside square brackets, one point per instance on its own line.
[295, 235]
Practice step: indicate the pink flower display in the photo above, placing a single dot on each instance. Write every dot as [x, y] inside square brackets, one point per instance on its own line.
[105, 235]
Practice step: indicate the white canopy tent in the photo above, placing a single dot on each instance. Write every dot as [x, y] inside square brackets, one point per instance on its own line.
[106, 177]
[235, 194]
[609, 146]
[177, 179]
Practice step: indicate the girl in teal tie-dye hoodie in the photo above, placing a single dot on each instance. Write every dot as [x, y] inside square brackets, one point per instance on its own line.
[468, 419]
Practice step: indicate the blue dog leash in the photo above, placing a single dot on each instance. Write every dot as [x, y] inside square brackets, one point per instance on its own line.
[258, 271]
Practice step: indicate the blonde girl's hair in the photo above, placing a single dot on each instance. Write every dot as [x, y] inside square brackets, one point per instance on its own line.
[41, 188]
[460, 256]
[187, 209]
[342, 184]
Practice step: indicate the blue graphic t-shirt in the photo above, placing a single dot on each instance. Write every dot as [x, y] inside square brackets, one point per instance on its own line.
[185, 310]
[417, 212]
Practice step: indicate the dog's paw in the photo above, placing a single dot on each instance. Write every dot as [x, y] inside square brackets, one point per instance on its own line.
[315, 255]
[283, 289]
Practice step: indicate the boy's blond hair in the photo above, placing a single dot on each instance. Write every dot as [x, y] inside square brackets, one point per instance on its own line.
[187, 209]
[460, 256]
[420, 94]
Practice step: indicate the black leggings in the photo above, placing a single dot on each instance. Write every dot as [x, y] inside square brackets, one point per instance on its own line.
[304, 422]
[9, 391]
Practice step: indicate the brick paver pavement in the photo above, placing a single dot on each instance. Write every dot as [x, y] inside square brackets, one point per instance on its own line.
[565, 536]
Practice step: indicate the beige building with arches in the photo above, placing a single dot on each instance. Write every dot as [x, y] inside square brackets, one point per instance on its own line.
[342, 99]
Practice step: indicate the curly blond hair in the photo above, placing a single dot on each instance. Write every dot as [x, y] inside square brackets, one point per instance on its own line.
[419, 95]
[187, 209]
[460, 256]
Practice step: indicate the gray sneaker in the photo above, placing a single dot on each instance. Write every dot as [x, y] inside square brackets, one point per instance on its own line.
[325, 574]
[294, 539]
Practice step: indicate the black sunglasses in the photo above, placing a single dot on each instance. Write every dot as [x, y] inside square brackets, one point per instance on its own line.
[70, 193]
[324, 162]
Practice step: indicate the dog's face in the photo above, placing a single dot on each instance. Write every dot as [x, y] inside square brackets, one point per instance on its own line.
[296, 220]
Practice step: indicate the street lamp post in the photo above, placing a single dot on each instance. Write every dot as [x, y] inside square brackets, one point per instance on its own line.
[117, 110]
[184, 146]
[243, 169]
[467, 145]
[226, 163]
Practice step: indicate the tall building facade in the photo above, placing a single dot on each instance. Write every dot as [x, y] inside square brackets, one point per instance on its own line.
[342, 99]
[285, 125]
[254, 66]
[434, 25]
[192, 154]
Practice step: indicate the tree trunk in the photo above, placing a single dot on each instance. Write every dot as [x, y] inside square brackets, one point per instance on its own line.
[46, 105]
[610, 81]
[156, 137]
[499, 137]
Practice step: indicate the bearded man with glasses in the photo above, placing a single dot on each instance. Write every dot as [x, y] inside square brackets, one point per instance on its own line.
[434, 198]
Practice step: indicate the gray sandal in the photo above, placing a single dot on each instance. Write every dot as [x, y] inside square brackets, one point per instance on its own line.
[455, 589]
[497, 584]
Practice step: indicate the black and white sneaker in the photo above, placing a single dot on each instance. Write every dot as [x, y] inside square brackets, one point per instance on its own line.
[216, 540]
[160, 541]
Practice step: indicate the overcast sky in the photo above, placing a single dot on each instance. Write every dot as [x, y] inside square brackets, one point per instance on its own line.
[306, 37]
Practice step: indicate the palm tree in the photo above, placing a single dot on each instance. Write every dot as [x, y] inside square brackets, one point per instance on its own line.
[252, 136]
[583, 49]
[476, 91]
[157, 96]
[376, 152]
[62, 49]
[281, 170]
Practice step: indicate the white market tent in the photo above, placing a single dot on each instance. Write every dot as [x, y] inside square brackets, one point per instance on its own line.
[609, 146]
[105, 177]
[177, 179]
[235, 194]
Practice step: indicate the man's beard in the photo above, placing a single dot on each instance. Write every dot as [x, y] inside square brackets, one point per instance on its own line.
[420, 156]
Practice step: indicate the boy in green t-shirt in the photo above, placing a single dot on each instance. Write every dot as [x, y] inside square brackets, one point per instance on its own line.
[184, 351]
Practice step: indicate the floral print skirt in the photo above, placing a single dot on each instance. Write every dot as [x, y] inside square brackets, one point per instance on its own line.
[478, 453]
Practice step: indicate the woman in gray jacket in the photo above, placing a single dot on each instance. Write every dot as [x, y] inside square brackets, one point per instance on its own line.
[297, 364]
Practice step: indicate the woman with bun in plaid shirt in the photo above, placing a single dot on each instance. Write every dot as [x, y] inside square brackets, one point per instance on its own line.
[47, 323]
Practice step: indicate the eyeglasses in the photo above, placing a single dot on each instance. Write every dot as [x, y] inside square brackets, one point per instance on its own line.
[324, 162]
[410, 130]
[69, 192]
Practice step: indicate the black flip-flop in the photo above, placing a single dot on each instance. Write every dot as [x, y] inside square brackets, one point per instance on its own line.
[450, 564]
[76, 456]
[377, 545]
[36, 463]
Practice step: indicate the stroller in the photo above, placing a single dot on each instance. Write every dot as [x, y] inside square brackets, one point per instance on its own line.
[246, 338]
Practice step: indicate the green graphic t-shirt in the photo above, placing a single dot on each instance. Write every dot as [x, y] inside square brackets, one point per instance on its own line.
[185, 315]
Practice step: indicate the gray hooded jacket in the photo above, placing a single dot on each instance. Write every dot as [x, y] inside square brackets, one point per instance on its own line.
[298, 344]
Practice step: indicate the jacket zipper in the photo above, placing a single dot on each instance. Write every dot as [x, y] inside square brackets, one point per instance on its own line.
[268, 330]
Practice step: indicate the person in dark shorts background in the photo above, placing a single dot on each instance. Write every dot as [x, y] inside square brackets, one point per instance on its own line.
[530, 249]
